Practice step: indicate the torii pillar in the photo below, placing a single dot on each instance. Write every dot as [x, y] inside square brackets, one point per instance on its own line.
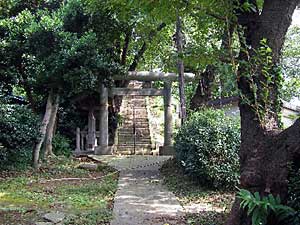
[167, 148]
[103, 148]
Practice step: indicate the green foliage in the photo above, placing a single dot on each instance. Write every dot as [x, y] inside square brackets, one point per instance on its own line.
[290, 64]
[41, 50]
[260, 208]
[95, 217]
[294, 192]
[207, 147]
[61, 145]
[18, 134]
[261, 65]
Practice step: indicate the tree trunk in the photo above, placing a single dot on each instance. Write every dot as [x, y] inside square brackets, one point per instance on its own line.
[265, 150]
[180, 65]
[204, 89]
[43, 129]
[50, 128]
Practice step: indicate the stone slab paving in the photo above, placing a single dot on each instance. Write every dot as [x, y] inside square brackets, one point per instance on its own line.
[141, 198]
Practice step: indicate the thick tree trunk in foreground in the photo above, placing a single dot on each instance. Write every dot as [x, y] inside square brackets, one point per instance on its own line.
[265, 150]
[50, 128]
[43, 129]
[180, 65]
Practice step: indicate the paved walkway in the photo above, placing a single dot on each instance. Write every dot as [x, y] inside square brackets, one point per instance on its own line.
[141, 198]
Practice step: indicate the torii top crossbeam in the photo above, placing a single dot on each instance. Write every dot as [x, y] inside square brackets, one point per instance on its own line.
[153, 76]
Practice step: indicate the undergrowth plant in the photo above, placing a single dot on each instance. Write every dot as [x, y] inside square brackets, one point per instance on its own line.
[261, 207]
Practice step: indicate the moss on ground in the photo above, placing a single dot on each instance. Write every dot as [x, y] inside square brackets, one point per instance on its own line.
[189, 191]
[25, 196]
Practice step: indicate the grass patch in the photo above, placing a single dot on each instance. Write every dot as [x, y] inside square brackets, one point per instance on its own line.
[25, 196]
[215, 204]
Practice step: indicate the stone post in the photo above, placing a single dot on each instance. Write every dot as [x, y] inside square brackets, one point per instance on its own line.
[91, 131]
[78, 149]
[82, 138]
[103, 148]
[167, 149]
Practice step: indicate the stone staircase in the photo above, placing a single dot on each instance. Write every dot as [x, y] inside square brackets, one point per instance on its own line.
[133, 134]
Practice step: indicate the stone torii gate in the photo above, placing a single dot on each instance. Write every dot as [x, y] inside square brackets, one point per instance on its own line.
[102, 147]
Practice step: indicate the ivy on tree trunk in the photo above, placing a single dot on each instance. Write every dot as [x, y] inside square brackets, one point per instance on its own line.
[265, 150]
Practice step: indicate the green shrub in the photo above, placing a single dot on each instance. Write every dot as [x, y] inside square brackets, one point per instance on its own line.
[18, 135]
[61, 145]
[207, 147]
[294, 193]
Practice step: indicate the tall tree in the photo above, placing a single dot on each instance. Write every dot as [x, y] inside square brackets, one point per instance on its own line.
[59, 54]
[265, 150]
[180, 66]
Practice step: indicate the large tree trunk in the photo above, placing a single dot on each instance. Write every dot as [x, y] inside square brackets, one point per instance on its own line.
[180, 65]
[265, 150]
[43, 129]
[50, 128]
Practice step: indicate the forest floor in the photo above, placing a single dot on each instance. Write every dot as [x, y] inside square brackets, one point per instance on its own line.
[83, 196]
[202, 205]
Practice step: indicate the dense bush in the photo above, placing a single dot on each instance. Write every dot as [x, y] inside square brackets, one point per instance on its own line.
[18, 135]
[207, 147]
[61, 145]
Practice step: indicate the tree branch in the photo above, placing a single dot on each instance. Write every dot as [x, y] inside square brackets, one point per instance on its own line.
[125, 47]
[142, 50]
[218, 17]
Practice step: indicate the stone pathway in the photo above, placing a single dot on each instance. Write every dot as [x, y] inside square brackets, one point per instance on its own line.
[141, 198]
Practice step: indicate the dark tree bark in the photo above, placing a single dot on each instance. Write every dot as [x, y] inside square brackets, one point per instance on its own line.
[203, 92]
[180, 66]
[125, 47]
[265, 150]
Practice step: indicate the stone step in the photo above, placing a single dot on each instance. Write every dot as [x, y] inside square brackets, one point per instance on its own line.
[143, 145]
[145, 134]
[137, 123]
[134, 114]
[130, 135]
[130, 128]
[137, 152]
[131, 143]
[130, 120]
[139, 144]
